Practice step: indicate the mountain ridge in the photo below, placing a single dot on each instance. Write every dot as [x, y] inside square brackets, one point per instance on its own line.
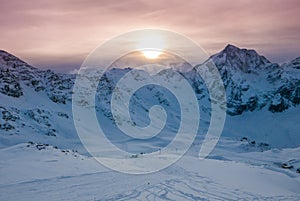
[36, 104]
[244, 72]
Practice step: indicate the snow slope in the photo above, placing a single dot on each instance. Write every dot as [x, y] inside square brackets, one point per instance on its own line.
[31, 174]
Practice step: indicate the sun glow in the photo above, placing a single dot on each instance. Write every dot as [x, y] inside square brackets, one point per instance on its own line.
[151, 44]
[151, 54]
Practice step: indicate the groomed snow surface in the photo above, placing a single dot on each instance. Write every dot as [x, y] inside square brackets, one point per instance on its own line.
[31, 171]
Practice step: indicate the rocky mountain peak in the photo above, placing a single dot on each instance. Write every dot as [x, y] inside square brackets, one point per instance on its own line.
[11, 62]
[234, 58]
[15, 75]
[231, 48]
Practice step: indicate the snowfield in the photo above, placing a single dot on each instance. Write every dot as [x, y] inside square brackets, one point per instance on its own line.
[28, 173]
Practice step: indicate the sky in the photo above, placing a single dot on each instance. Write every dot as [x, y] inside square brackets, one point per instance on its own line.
[59, 34]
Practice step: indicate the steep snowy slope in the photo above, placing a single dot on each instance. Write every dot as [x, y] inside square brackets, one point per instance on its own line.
[35, 105]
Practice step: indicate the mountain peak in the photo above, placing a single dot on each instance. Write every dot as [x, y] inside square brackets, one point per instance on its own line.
[236, 50]
[3, 52]
[5, 55]
[236, 58]
[9, 61]
[230, 48]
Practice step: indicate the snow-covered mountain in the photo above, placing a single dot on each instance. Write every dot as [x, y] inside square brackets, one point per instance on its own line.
[36, 103]
[253, 83]
[16, 74]
[257, 156]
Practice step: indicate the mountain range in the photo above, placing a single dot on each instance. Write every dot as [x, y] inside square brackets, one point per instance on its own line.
[36, 104]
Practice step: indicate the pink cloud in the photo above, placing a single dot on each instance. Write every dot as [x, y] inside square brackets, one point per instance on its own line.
[62, 33]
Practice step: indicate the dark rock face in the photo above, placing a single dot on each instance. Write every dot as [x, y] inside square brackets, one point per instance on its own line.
[7, 117]
[9, 84]
[278, 104]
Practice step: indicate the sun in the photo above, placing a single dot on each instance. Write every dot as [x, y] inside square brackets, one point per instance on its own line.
[151, 45]
[151, 54]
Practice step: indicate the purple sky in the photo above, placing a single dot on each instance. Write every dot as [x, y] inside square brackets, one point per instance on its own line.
[59, 34]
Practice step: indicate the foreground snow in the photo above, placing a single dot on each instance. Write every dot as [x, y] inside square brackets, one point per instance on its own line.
[41, 172]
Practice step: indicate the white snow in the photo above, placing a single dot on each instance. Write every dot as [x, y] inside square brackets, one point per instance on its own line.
[31, 174]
